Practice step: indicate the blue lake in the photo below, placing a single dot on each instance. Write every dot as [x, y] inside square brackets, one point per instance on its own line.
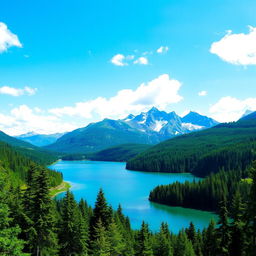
[131, 190]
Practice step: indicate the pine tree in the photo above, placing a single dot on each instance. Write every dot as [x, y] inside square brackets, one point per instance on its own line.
[100, 246]
[162, 243]
[237, 246]
[183, 246]
[10, 244]
[210, 240]
[101, 212]
[252, 212]
[191, 233]
[144, 243]
[117, 243]
[223, 231]
[40, 219]
[74, 231]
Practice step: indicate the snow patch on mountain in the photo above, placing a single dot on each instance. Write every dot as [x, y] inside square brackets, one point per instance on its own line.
[191, 127]
[159, 125]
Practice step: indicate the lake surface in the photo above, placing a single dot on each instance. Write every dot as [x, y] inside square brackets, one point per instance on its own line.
[131, 190]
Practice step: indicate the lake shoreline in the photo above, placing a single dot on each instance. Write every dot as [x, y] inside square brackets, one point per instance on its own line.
[63, 187]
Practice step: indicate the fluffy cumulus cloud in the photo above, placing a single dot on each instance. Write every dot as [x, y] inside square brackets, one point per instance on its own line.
[118, 60]
[238, 49]
[23, 119]
[17, 91]
[162, 49]
[159, 92]
[202, 93]
[7, 38]
[229, 109]
[141, 61]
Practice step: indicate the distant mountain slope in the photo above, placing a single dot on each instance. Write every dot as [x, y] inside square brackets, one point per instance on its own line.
[199, 120]
[249, 116]
[149, 127]
[224, 146]
[120, 153]
[36, 154]
[101, 135]
[168, 125]
[39, 140]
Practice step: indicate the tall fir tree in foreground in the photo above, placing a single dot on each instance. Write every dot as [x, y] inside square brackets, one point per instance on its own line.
[223, 231]
[10, 244]
[39, 211]
[74, 230]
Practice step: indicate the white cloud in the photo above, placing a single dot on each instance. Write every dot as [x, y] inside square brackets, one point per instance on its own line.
[7, 38]
[202, 93]
[16, 91]
[118, 60]
[141, 61]
[238, 49]
[162, 49]
[159, 92]
[24, 119]
[229, 109]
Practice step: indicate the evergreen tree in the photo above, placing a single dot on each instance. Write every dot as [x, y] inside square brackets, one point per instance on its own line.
[223, 232]
[238, 241]
[210, 240]
[117, 242]
[10, 244]
[101, 212]
[74, 231]
[183, 246]
[40, 217]
[252, 212]
[100, 245]
[144, 241]
[162, 243]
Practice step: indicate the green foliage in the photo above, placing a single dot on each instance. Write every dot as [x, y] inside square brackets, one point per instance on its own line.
[230, 147]
[28, 150]
[39, 210]
[18, 166]
[120, 153]
[10, 244]
[205, 194]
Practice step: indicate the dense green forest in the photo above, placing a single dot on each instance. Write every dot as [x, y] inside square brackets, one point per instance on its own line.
[224, 147]
[18, 165]
[205, 194]
[33, 224]
[36, 154]
[119, 153]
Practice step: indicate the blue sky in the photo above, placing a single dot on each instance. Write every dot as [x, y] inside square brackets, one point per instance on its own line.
[59, 54]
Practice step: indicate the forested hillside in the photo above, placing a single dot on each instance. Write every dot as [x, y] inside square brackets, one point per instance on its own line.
[35, 153]
[18, 165]
[99, 136]
[120, 153]
[224, 147]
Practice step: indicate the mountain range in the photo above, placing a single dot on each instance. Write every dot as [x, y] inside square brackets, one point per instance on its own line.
[39, 140]
[149, 127]
[222, 147]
